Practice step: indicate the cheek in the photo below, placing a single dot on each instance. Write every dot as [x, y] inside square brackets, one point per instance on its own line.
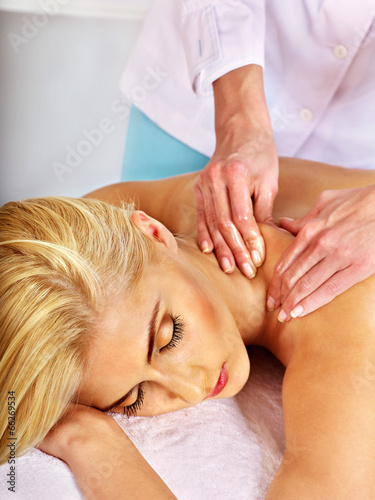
[159, 401]
[213, 329]
[221, 342]
[211, 332]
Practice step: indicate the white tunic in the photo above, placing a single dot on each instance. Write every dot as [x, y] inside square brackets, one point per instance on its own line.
[319, 71]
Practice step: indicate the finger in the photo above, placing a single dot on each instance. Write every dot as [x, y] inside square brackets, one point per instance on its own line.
[204, 238]
[222, 251]
[289, 224]
[299, 268]
[290, 255]
[244, 221]
[331, 288]
[263, 203]
[294, 226]
[231, 235]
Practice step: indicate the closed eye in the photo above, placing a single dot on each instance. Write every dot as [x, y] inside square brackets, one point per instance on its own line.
[177, 336]
[132, 409]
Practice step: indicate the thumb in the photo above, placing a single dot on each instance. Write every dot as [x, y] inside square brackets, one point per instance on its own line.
[263, 206]
[291, 225]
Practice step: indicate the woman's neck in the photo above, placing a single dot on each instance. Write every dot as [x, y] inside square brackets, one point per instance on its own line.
[246, 299]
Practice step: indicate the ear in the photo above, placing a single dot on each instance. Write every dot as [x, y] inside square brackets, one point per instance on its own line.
[155, 228]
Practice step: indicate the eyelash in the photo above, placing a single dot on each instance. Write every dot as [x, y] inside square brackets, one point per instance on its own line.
[131, 411]
[177, 336]
[178, 333]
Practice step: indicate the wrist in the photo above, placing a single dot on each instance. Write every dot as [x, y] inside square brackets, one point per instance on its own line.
[89, 436]
[240, 100]
[79, 429]
[239, 134]
[106, 463]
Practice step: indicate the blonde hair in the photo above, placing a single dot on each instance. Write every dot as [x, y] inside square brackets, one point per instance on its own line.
[59, 260]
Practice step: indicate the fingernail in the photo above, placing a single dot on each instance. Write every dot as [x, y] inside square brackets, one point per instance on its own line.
[259, 244]
[297, 311]
[255, 255]
[282, 316]
[204, 247]
[225, 264]
[248, 270]
[270, 304]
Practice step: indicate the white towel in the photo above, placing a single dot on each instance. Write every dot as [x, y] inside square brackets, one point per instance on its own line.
[228, 449]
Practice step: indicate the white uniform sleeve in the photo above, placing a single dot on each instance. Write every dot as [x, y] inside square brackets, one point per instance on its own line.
[219, 36]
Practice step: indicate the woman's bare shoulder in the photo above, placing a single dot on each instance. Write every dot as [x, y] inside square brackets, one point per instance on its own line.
[168, 200]
[301, 182]
[343, 329]
[171, 201]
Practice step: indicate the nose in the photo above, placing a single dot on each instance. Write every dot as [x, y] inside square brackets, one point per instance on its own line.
[187, 384]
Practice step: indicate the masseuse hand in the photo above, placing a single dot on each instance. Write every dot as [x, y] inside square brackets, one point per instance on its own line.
[239, 184]
[333, 250]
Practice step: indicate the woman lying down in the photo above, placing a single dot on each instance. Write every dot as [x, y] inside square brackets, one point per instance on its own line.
[104, 308]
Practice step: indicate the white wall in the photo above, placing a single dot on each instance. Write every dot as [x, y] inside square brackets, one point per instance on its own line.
[59, 81]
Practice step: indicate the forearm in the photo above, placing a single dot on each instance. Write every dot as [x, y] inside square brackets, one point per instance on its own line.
[103, 459]
[115, 469]
[240, 102]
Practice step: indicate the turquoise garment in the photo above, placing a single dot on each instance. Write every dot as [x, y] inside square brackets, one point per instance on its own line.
[151, 153]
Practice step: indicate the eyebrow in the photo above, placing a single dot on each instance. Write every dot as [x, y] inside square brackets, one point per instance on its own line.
[152, 329]
[151, 332]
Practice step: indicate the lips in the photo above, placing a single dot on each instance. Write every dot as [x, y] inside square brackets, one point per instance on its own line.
[221, 383]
